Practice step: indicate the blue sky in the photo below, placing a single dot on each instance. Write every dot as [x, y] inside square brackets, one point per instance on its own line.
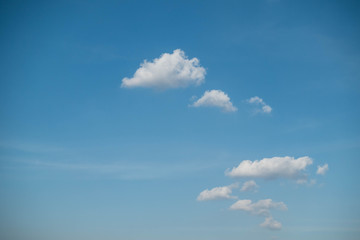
[84, 155]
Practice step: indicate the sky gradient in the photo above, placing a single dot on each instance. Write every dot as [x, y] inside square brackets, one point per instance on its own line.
[133, 120]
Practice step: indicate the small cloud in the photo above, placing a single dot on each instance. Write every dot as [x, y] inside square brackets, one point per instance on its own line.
[215, 98]
[266, 109]
[272, 168]
[259, 101]
[304, 181]
[271, 224]
[249, 186]
[321, 170]
[170, 70]
[259, 208]
[256, 100]
[217, 193]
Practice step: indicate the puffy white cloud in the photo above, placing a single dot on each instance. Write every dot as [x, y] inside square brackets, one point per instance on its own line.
[215, 98]
[217, 193]
[249, 186]
[259, 101]
[170, 70]
[272, 168]
[322, 169]
[260, 208]
[271, 224]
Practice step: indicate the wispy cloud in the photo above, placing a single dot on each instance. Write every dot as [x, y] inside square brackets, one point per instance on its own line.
[249, 186]
[30, 147]
[116, 169]
[170, 70]
[271, 224]
[264, 108]
[261, 208]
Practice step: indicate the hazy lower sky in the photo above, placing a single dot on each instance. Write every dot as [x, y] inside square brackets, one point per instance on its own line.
[174, 120]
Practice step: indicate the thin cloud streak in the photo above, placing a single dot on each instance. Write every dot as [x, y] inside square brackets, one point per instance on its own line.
[121, 170]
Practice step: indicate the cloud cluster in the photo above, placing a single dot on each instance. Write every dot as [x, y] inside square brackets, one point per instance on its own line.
[175, 70]
[268, 169]
[272, 168]
[170, 70]
[261, 208]
[217, 193]
[215, 98]
[259, 101]
[321, 170]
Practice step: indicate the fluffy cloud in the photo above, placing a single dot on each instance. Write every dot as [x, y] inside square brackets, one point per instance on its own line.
[215, 98]
[249, 186]
[260, 208]
[259, 101]
[170, 70]
[322, 169]
[272, 168]
[217, 193]
[271, 224]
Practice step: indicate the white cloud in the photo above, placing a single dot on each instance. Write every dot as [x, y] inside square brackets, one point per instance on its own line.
[266, 109]
[271, 224]
[249, 186]
[170, 70]
[217, 193]
[259, 101]
[272, 168]
[215, 98]
[260, 208]
[322, 169]
[256, 100]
